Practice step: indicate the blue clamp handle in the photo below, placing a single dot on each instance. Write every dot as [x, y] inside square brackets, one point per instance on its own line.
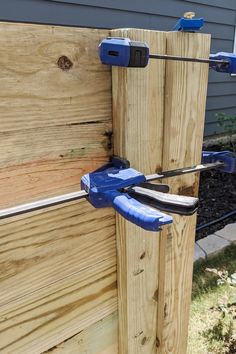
[227, 157]
[138, 213]
[229, 68]
[105, 186]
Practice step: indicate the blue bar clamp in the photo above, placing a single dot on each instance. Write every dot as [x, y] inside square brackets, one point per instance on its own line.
[106, 188]
[228, 158]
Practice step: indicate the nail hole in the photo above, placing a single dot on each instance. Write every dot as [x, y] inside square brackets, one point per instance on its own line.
[139, 271]
[143, 255]
[155, 296]
[143, 341]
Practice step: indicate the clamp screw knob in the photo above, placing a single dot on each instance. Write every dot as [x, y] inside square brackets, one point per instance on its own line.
[189, 15]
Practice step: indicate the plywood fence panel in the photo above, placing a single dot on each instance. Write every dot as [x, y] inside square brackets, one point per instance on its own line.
[185, 100]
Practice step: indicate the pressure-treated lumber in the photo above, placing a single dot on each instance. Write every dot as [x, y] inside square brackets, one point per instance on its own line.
[185, 99]
[52, 84]
[100, 338]
[57, 276]
[57, 266]
[138, 96]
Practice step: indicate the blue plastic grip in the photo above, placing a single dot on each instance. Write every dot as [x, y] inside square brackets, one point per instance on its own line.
[224, 68]
[137, 213]
[227, 157]
[189, 25]
[115, 51]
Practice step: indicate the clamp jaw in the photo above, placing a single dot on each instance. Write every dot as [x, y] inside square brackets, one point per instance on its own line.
[124, 52]
[188, 23]
[128, 192]
[230, 62]
[227, 157]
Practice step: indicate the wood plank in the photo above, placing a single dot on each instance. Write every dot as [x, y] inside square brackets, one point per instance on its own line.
[138, 96]
[51, 161]
[57, 266]
[33, 180]
[57, 274]
[55, 113]
[87, 140]
[42, 93]
[185, 100]
[100, 338]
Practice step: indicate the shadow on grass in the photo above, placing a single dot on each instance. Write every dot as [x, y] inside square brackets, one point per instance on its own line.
[203, 281]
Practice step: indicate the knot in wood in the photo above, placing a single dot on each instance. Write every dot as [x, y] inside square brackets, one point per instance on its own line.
[64, 63]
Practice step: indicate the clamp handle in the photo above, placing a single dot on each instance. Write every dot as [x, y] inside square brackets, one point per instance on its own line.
[171, 203]
[138, 213]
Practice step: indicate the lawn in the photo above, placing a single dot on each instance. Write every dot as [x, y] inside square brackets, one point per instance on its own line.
[212, 327]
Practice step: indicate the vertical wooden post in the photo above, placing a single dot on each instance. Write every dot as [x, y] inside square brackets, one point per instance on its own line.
[185, 98]
[138, 97]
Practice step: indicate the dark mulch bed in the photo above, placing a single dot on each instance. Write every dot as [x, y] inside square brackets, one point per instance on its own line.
[217, 196]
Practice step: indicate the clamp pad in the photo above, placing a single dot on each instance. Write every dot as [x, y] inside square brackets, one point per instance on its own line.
[189, 24]
[124, 52]
[227, 157]
[228, 67]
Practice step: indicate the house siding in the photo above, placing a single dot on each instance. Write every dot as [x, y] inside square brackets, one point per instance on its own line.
[220, 18]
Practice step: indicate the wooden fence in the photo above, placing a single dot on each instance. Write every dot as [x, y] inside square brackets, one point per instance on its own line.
[58, 267]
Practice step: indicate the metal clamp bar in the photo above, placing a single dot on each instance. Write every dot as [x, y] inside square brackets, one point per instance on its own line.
[179, 58]
[183, 171]
[42, 204]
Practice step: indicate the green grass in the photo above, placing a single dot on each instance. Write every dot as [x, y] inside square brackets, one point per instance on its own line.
[211, 318]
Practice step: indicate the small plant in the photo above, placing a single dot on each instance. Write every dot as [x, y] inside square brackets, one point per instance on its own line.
[223, 276]
[228, 123]
[223, 329]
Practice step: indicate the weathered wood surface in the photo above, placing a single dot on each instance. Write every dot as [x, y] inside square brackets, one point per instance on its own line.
[100, 338]
[57, 266]
[185, 99]
[52, 84]
[138, 110]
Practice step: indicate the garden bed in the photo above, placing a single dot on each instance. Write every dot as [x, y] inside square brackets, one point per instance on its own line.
[217, 196]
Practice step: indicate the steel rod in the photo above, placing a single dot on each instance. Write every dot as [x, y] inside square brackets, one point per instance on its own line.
[183, 171]
[41, 204]
[179, 58]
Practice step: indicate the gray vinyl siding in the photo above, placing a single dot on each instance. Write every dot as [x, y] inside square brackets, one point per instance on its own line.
[220, 17]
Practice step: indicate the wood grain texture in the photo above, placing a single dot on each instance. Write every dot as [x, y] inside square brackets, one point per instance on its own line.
[100, 338]
[37, 90]
[138, 97]
[57, 275]
[57, 266]
[185, 99]
[43, 178]
[55, 109]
